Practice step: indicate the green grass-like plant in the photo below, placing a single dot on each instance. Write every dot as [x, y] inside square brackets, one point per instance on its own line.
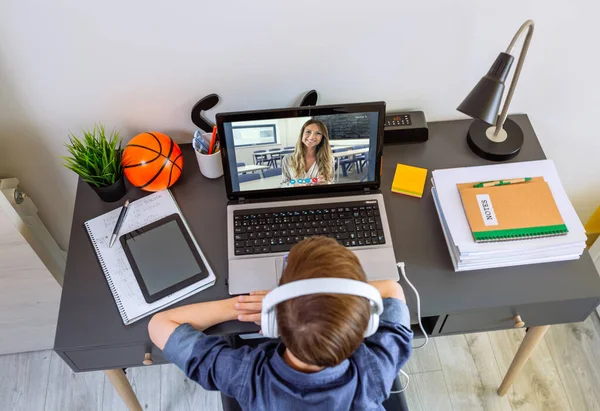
[96, 157]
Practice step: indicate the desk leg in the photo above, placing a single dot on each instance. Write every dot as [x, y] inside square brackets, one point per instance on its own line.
[532, 337]
[121, 383]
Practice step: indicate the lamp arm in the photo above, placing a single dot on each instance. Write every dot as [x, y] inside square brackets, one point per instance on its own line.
[529, 25]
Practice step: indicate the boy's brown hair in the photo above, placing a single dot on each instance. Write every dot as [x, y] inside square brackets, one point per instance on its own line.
[322, 329]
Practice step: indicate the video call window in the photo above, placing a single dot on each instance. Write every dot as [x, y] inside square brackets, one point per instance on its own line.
[302, 151]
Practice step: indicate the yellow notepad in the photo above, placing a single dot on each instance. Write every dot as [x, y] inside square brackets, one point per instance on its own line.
[409, 180]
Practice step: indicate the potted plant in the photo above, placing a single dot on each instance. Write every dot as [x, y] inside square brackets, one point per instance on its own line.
[96, 158]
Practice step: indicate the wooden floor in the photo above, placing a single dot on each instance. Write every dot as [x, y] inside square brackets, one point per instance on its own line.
[457, 373]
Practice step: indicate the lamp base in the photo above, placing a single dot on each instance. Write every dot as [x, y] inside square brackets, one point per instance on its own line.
[481, 145]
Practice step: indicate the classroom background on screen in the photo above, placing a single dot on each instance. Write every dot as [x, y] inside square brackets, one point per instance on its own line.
[268, 153]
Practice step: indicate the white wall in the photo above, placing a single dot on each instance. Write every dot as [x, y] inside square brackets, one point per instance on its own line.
[141, 65]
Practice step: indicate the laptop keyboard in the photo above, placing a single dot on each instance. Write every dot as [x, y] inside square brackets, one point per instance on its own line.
[274, 230]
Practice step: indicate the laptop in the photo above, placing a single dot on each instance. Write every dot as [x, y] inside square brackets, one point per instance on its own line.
[293, 173]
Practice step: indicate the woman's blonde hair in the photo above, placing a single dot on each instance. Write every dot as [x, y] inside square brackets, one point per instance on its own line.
[324, 155]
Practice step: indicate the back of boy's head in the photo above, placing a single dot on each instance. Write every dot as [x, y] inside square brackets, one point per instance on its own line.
[322, 329]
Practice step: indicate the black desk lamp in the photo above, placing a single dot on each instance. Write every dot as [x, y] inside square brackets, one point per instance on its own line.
[501, 141]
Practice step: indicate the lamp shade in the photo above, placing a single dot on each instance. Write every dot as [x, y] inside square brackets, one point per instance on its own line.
[484, 100]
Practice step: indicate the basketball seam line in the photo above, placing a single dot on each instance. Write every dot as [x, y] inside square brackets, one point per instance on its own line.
[149, 161]
[141, 164]
[171, 170]
[164, 162]
[147, 148]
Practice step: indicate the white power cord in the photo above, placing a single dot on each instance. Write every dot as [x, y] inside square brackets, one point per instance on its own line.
[400, 265]
[405, 386]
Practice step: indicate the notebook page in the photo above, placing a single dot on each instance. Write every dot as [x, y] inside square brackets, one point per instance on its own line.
[117, 269]
[449, 198]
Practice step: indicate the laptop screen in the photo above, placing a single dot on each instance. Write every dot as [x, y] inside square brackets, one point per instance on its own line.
[302, 151]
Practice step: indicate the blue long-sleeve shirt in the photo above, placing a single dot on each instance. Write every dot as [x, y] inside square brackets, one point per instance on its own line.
[260, 379]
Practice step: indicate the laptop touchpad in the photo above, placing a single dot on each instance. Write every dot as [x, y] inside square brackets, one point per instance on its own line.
[247, 275]
[378, 263]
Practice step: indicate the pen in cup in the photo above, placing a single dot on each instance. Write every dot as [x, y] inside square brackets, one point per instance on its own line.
[212, 140]
[207, 149]
[202, 146]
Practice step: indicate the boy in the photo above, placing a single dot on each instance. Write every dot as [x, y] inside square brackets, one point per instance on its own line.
[322, 361]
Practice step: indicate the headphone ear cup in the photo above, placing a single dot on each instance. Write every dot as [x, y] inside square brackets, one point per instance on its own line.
[269, 323]
[373, 325]
[274, 328]
[264, 324]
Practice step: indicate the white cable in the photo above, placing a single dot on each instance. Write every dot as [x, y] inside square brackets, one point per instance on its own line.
[400, 265]
[405, 386]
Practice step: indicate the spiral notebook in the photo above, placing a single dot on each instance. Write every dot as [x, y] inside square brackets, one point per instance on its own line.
[512, 212]
[121, 280]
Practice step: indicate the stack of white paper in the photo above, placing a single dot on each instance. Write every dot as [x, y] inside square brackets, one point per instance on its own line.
[466, 254]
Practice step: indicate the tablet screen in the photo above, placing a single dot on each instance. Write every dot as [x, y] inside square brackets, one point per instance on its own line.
[163, 257]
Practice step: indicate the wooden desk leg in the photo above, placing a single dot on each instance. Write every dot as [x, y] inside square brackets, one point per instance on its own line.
[121, 383]
[532, 337]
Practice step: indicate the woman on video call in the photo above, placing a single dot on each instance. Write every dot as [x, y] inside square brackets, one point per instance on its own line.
[312, 157]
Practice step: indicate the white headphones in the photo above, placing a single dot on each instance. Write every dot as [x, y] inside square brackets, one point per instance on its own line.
[319, 286]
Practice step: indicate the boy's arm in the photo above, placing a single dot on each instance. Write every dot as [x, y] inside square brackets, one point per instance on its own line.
[208, 360]
[391, 345]
[389, 289]
[200, 316]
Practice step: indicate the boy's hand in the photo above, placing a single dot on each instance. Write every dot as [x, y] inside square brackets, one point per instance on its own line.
[249, 307]
[389, 289]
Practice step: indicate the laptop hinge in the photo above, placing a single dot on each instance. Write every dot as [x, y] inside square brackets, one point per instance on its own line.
[367, 190]
[241, 200]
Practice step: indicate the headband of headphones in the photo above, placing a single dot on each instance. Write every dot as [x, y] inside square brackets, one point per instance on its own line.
[319, 286]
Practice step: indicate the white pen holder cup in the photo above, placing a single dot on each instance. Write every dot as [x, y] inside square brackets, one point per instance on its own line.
[210, 164]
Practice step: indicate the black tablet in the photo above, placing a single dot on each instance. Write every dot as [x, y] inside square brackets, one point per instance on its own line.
[163, 257]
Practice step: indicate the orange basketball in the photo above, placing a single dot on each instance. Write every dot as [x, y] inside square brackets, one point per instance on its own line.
[152, 161]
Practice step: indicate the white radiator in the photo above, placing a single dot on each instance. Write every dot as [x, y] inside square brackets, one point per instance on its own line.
[23, 213]
[30, 264]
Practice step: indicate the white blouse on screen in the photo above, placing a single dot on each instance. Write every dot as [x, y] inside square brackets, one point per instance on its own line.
[288, 174]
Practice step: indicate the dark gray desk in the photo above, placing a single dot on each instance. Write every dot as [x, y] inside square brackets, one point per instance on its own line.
[91, 336]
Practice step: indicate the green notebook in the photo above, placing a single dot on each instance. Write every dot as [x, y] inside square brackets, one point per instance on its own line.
[512, 212]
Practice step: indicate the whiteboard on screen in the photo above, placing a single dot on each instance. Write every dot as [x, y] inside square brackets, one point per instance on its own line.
[254, 135]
